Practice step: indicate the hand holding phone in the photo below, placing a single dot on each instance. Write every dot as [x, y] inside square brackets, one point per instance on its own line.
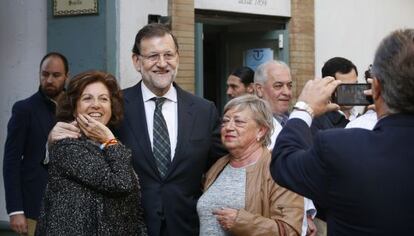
[352, 95]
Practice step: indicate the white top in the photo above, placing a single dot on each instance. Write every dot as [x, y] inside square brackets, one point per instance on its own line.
[276, 130]
[353, 114]
[169, 111]
[366, 121]
[303, 115]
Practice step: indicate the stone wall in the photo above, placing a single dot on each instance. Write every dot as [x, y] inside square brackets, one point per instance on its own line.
[302, 43]
[182, 24]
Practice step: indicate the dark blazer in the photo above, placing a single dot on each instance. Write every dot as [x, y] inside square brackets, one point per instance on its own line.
[364, 178]
[173, 198]
[24, 175]
[329, 120]
[90, 191]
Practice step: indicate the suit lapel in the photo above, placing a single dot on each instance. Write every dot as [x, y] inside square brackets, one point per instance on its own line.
[185, 121]
[137, 124]
[44, 116]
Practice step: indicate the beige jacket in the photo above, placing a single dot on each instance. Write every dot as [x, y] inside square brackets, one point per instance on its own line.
[269, 209]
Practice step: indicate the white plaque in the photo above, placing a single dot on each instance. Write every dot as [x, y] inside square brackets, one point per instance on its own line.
[74, 7]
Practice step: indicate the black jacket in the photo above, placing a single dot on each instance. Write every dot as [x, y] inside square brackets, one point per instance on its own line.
[90, 191]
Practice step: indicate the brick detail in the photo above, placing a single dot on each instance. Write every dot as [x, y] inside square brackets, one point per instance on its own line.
[182, 25]
[302, 43]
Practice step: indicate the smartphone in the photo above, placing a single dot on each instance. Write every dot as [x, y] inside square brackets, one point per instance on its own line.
[352, 95]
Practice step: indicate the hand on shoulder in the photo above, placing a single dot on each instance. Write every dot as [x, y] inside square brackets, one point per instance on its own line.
[63, 130]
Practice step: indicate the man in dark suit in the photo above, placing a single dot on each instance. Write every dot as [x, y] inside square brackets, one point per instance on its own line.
[170, 174]
[169, 199]
[24, 175]
[363, 178]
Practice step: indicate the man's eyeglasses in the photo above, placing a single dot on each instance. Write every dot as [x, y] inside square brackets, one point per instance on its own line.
[155, 57]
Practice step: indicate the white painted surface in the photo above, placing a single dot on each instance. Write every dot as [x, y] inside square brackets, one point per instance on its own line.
[22, 45]
[261, 7]
[354, 28]
[133, 16]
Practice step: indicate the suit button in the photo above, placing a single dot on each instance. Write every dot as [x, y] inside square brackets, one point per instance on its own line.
[161, 214]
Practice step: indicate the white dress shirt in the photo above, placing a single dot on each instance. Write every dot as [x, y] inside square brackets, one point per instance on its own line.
[169, 111]
[365, 121]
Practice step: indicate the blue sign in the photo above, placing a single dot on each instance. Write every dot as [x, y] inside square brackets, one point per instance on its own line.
[257, 56]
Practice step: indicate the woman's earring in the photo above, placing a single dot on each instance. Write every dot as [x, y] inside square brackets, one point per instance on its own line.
[258, 138]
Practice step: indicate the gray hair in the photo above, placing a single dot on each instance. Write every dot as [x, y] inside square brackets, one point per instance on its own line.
[261, 76]
[394, 68]
[261, 110]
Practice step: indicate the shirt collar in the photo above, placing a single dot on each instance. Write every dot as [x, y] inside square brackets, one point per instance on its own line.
[352, 114]
[171, 94]
[46, 98]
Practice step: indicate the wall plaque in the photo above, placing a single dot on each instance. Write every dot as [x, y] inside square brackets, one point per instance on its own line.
[74, 7]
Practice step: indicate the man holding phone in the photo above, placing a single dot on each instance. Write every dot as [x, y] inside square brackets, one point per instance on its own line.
[363, 177]
[344, 70]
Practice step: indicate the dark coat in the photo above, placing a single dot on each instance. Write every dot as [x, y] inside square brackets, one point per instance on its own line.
[90, 191]
[174, 197]
[329, 120]
[24, 174]
[363, 178]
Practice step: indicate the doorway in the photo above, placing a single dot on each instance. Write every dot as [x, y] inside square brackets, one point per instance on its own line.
[223, 42]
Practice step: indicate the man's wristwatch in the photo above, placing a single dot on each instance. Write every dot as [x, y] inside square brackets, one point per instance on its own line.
[303, 106]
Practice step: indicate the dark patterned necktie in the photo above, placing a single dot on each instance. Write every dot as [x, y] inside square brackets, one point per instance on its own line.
[282, 119]
[161, 140]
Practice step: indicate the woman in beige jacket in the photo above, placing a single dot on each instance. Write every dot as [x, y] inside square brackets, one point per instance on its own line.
[240, 197]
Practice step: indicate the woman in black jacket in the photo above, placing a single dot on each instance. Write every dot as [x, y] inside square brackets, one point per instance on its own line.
[92, 188]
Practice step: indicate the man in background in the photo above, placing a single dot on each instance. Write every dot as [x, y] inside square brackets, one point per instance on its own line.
[240, 82]
[344, 70]
[25, 176]
[273, 83]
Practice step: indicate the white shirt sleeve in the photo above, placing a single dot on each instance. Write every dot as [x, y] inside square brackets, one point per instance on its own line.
[16, 213]
[303, 115]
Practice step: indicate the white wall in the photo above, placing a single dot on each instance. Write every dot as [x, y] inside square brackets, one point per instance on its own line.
[133, 16]
[263, 7]
[354, 28]
[22, 45]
